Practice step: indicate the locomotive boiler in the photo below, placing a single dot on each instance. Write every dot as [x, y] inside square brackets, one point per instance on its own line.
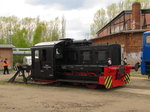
[79, 62]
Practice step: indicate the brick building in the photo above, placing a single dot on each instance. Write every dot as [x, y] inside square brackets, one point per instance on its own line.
[126, 29]
[6, 51]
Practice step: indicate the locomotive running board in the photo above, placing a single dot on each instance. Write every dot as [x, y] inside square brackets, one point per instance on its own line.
[78, 81]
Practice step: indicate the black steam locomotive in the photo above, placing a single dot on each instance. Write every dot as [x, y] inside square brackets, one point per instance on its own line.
[79, 62]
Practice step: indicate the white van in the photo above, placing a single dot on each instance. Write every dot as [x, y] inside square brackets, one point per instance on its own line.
[27, 60]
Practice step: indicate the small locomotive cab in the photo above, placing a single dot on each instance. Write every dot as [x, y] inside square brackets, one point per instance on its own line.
[79, 62]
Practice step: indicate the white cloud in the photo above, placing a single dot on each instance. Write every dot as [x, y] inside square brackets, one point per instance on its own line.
[78, 18]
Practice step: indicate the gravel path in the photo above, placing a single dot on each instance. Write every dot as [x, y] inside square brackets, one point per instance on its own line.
[134, 97]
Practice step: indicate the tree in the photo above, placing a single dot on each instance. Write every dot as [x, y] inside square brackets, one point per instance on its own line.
[144, 3]
[127, 4]
[63, 29]
[99, 21]
[55, 29]
[2, 40]
[19, 38]
[112, 11]
[30, 25]
[30, 30]
[38, 33]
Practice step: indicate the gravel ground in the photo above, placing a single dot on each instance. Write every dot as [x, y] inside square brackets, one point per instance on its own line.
[134, 97]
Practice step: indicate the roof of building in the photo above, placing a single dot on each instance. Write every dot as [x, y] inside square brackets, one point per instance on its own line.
[122, 13]
[22, 52]
[6, 46]
[127, 31]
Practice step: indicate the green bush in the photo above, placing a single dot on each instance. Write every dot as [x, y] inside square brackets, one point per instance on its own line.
[18, 59]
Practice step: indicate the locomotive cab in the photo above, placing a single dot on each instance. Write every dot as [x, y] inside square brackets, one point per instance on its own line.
[45, 58]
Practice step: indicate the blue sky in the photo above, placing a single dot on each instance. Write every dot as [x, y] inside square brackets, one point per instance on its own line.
[78, 13]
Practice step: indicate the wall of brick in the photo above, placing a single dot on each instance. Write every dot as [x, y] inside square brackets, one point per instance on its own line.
[131, 44]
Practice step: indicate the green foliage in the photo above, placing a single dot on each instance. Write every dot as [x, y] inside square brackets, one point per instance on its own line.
[2, 40]
[17, 59]
[19, 38]
[112, 10]
[100, 20]
[38, 33]
[55, 31]
[29, 31]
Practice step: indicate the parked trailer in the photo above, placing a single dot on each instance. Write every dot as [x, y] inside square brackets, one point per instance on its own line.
[145, 63]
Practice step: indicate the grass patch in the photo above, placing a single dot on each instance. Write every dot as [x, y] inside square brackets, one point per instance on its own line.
[139, 75]
[3, 83]
[19, 82]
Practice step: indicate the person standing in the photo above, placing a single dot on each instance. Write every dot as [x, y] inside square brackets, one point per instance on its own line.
[5, 65]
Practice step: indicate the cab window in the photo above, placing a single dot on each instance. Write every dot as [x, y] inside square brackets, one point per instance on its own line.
[148, 39]
[36, 54]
